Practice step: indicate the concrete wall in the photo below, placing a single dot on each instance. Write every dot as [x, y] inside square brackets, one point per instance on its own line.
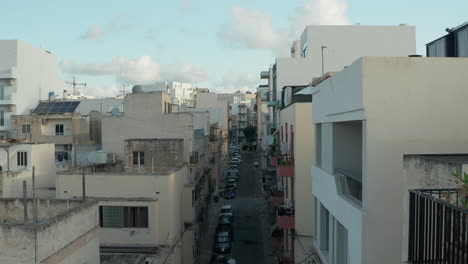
[345, 44]
[67, 233]
[144, 118]
[41, 156]
[163, 194]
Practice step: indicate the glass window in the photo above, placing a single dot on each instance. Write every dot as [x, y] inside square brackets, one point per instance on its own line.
[59, 129]
[2, 92]
[123, 217]
[462, 43]
[138, 158]
[2, 118]
[26, 128]
[22, 158]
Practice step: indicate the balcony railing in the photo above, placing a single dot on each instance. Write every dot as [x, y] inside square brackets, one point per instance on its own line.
[285, 218]
[350, 185]
[274, 161]
[277, 198]
[285, 167]
[438, 227]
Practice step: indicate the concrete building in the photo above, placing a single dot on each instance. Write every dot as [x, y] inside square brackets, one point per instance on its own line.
[27, 74]
[17, 161]
[182, 94]
[145, 211]
[55, 231]
[295, 207]
[367, 118]
[454, 44]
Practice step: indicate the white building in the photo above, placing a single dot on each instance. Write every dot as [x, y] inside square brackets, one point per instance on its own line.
[27, 75]
[57, 231]
[181, 93]
[367, 117]
[17, 161]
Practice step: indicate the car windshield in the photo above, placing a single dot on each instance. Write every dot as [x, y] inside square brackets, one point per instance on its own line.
[222, 239]
[225, 210]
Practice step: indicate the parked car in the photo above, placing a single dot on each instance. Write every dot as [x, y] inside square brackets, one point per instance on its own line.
[225, 228]
[230, 194]
[219, 259]
[256, 164]
[222, 243]
[226, 209]
[224, 220]
[232, 181]
[228, 215]
[233, 167]
[232, 186]
[234, 174]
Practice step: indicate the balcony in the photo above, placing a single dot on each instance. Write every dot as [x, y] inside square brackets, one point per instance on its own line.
[285, 218]
[285, 167]
[273, 161]
[349, 185]
[276, 198]
[438, 228]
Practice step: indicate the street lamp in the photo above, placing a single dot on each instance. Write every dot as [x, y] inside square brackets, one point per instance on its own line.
[323, 47]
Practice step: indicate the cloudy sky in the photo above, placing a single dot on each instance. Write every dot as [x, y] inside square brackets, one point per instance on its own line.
[219, 44]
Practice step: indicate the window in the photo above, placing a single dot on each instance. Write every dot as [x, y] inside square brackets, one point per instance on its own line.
[2, 118]
[61, 156]
[26, 128]
[138, 158]
[59, 129]
[2, 92]
[123, 217]
[281, 133]
[286, 131]
[22, 157]
[324, 228]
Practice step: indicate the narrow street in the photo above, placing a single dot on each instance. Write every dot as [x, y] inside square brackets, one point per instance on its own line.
[250, 215]
[251, 229]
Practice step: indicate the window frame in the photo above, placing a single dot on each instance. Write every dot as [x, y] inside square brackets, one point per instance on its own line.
[26, 128]
[132, 216]
[57, 130]
[138, 158]
[22, 158]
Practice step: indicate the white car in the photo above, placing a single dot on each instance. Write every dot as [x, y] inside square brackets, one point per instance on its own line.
[227, 210]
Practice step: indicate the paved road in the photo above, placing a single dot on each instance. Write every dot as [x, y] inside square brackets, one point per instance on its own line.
[250, 215]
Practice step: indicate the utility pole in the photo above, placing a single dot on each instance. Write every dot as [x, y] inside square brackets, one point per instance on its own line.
[323, 72]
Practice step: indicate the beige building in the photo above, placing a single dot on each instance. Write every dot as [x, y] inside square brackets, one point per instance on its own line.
[367, 118]
[56, 231]
[144, 208]
[295, 214]
[17, 161]
[74, 135]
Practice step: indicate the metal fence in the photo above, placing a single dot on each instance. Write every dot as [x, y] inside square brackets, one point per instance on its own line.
[438, 227]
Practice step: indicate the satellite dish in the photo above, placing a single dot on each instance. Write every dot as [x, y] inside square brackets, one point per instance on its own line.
[115, 111]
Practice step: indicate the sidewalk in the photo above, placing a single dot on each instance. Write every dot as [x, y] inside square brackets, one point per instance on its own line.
[207, 232]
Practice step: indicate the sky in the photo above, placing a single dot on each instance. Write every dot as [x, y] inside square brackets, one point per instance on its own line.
[218, 44]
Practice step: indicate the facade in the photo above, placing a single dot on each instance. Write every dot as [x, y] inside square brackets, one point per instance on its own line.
[56, 231]
[367, 118]
[295, 208]
[454, 44]
[18, 160]
[27, 74]
[142, 202]
[181, 93]
[74, 135]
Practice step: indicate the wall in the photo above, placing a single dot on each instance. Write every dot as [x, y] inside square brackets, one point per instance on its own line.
[144, 118]
[346, 44]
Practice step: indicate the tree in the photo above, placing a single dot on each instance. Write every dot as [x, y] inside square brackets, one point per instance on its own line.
[250, 133]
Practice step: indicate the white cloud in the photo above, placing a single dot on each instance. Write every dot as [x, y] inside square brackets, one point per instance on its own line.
[94, 33]
[233, 81]
[118, 23]
[254, 29]
[141, 70]
[103, 90]
[186, 5]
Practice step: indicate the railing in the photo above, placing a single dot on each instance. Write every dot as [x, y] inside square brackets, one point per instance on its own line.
[351, 186]
[438, 227]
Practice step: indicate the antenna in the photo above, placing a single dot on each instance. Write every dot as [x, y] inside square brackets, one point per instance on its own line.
[74, 83]
[124, 86]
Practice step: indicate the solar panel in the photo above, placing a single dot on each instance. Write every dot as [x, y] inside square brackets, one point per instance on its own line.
[56, 107]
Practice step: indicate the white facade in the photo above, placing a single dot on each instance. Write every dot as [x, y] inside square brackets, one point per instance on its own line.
[17, 162]
[181, 93]
[368, 117]
[27, 75]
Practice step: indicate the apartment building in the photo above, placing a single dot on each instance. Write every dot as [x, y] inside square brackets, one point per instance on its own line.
[27, 75]
[18, 161]
[52, 231]
[453, 44]
[293, 198]
[367, 118]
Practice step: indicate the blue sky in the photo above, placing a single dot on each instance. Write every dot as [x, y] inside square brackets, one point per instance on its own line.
[219, 44]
